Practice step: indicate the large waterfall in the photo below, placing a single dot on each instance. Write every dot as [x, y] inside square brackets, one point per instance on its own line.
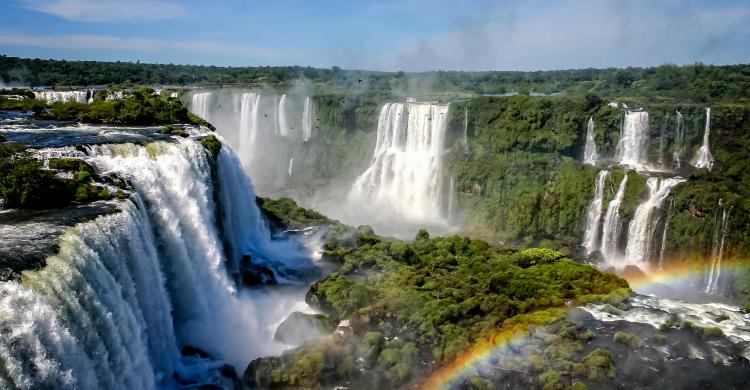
[632, 150]
[405, 172]
[126, 291]
[643, 225]
[594, 215]
[264, 129]
[703, 157]
[590, 156]
[612, 223]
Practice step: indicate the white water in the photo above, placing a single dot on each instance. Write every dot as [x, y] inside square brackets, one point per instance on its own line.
[200, 104]
[655, 311]
[284, 128]
[590, 156]
[717, 250]
[594, 215]
[612, 224]
[703, 157]
[63, 96]
[248, 130]
[291, 165]
[645, 220]
[404, 175]
[307, 120]
[112, 309]
[668, 218]
[632, 150]
[679, 140]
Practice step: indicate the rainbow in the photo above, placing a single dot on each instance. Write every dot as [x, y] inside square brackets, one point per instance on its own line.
[676, 273]
[496, 345]
[514, 331]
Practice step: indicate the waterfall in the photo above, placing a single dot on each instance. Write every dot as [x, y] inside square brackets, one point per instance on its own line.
[703, 157]
[200, 104]
[664, 233]
[307, 120]
[645, 220]
[62, 96]
[275, 114]
[632, 150]
[594, 214]
[589, 152]
[284, 128]
[404, 174]
[662, 140]
[291, 165]
[679, 140]
[451, 200]
[717, 249]
[248, 130]
[465, 138]
[612, 224]
[127, 290]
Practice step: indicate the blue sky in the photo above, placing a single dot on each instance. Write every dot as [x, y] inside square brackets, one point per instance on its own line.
[410, 35]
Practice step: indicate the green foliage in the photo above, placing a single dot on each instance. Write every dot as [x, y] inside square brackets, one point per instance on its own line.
[30, 104]
[286, 213]
[697, 82]
[449, 293]
[629, 339]
[212, 144]
[23, 182]
[137, 107]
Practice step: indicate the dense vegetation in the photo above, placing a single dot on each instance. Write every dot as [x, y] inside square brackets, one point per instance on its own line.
[25, 184]
[696, 82]
[413, 306]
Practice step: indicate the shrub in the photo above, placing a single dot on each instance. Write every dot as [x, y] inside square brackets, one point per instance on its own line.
[629, 339]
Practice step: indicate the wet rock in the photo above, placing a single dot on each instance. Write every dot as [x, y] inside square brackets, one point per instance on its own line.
[300, 327]
[255, 274]
[632, 272]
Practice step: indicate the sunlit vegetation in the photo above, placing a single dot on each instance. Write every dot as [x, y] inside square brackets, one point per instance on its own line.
[24, 183]
[413, 306]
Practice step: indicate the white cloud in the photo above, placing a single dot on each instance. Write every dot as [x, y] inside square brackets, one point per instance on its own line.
[107, 10]
[105, 42]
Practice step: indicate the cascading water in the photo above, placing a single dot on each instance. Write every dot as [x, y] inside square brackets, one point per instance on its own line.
[679, 140]
[632, 150]
[248, 130]
[664, 234]
[645, 220]
[307, 119]
[594, 215]
[291, 165]
[404, 175]
[703, 157]
[200, 104]
[612, 224]
[717, 249]
[127, 290]
[63, 96]
[590, 156]
[284, 128]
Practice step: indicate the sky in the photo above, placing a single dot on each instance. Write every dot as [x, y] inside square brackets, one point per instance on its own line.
[408, 35]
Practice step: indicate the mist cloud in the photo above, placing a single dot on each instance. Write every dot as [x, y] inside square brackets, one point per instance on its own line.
[575, 34]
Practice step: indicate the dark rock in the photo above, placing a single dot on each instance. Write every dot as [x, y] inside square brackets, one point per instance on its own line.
[258, 374]
[255, 274]
[300, 327]
[189, 350]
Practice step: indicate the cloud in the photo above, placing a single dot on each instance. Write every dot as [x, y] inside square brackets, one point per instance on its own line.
[107, 10]
[105, 42]
[576, 34]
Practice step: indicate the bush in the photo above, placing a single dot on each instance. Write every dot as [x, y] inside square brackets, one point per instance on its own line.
[629, 339]
[212, 145]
